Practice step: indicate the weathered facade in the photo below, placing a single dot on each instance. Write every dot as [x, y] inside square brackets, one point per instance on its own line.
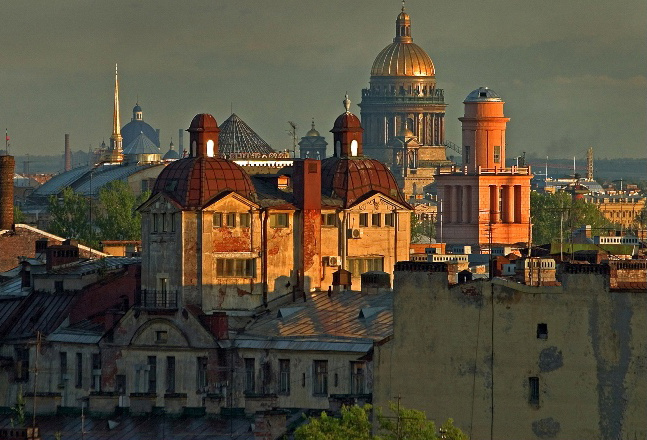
[507, 360]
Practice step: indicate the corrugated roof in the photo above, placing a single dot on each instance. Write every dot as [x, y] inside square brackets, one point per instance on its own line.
[56, 184]
[39, 312]
[85, 267]
[104, 174]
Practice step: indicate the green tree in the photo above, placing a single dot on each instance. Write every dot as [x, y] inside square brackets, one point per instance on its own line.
[422, 229]
[118, 218]
[355, 423]
[547, 211]
[18, 215]
[69, 216]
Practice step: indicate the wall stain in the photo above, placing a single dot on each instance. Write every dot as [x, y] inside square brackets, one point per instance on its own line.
[550, 359]
[546, 428]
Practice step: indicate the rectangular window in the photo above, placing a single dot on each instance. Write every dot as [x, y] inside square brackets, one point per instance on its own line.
[79, 370]
[22, 364]
[152, 374]
[96, 372]
[320, 377]
[63, 367]
[358, 266]
[542, 331]
[250, 375]
[467, 154]
[59, 286]
[244, 220]
[376, 219]
[328, 219]
[231, 220]
[235, 267]
[173, 216]
[155, 223]
[389, 219]
[164, 223]
[357, 377]
[170, 374]
[217, 220]
[533, 385]
[201, 380]
[121, 384]
[161, 336]
[497, 154]
[279, 220]
[284, 376]
[363, 220]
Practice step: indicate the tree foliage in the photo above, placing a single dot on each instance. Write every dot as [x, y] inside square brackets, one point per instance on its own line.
[18, 215]
[354, 423]
[69, 216]
[422, 229]
[114, 217]
[546, 211]
[118, 218]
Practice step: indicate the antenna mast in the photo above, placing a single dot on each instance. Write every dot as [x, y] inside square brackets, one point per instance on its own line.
[293, 133]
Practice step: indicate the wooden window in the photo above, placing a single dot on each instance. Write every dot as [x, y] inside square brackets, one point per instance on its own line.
[170, 374]
[152, 374]
[235, 267]
[79, 370]
[155, 223]
[217, 220]
[542, 331]
[497, 154]
[358, 266]
[96, 372]
[533, 386]
[173, 217]
[357, 377]
[376, 220]
[284, 376]
[328, 219]
[63, 368]
[363, 220]
[320, 378]
[389, 219]
[279, 220]
[244, 220]
[161, 336]
[231, 220]
[164, 223]
[250, 375]
[201, 375]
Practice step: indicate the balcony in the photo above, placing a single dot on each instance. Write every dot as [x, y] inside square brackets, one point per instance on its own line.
[157, 300]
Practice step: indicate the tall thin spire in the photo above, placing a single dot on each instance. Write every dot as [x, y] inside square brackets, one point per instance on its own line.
[116, 139]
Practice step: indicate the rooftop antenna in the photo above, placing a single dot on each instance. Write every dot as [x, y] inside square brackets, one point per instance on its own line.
[293, 133]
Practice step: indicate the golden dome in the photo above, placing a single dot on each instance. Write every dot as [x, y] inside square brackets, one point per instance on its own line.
[403, 59]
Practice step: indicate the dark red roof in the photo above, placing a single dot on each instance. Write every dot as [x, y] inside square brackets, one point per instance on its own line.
[347, 122]
[352, 178]
[194, 181]
[203, 121]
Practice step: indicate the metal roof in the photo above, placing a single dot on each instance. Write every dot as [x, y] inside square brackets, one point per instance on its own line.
[483, 94]
[56, 184]
[236, 137]
[85, 267]
[40, 312]
[352, 346]
[102, 175]
[325, 322]
[142, 145]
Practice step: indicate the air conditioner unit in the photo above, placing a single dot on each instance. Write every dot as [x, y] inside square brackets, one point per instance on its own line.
[355, 233]
[333, 261]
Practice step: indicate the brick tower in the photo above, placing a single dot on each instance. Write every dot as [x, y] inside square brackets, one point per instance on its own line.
[484, 201]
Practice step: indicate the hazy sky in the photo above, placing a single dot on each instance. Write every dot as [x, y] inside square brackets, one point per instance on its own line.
[572, 72]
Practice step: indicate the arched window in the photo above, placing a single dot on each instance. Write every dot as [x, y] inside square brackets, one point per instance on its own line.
[210, 151]
[193, 148]
[353, 147]
[337, 149]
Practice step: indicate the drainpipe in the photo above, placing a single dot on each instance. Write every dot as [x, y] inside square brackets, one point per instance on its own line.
[264, 218]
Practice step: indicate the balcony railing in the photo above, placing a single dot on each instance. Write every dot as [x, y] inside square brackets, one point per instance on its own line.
[157, 299]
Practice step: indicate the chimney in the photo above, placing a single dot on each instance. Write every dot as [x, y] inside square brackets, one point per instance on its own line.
[57, 255]
[218, 325]
[306, 187]
[180, 140]
[68, 153]
[7, 166]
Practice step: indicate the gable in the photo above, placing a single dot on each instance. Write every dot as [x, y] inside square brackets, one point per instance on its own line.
[377, 202]
[230, 201]
[157, 201]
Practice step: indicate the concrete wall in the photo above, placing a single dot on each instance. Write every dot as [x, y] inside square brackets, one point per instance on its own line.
[460, 351]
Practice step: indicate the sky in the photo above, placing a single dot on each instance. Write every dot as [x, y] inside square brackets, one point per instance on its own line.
[572, 73]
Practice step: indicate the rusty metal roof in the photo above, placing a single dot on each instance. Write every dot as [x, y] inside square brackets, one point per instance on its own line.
[351, 178]
[194, 181]
[38, 312]
[328, 323]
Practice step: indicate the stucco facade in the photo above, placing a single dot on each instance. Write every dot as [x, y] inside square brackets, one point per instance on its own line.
[508, 360]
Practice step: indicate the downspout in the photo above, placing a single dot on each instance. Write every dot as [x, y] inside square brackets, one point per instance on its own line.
[199, 252]
[395, 243]
[251, 248]
[344, 239]
[264, 216]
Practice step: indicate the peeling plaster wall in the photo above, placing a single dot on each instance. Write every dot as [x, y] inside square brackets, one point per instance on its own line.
[591, 367]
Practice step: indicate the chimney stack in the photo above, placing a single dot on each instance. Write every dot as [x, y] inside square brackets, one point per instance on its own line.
[7, 166]
[180, 143]
[68, 153]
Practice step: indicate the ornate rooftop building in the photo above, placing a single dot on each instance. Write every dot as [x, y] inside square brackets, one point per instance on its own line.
[313, 145]
[137, 126]
[402, 92]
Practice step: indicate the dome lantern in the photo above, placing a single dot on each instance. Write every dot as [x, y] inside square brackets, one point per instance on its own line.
[347, 133]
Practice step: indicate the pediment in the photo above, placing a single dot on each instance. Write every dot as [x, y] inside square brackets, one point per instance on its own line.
[377, 202]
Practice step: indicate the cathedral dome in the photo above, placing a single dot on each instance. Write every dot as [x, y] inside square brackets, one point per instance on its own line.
[136, 126]
[351, 179]
[483, 94]
[403, 57]
[194, 181]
